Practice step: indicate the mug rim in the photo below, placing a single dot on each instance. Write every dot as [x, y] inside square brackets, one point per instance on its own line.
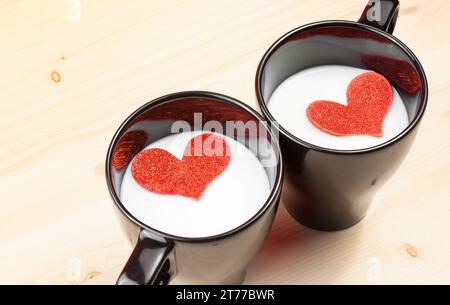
[271, 199]
[345, 23]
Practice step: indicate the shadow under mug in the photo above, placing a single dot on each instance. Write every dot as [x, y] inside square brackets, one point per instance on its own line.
[157, 256]
[328, 189]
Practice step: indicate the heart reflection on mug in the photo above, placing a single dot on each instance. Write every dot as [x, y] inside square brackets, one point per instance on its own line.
[205, 157]
[369, 98]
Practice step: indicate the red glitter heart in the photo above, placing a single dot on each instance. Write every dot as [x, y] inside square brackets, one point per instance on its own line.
[205, 157]
[369, 97]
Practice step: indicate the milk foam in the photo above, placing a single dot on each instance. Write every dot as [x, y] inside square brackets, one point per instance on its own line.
[230, 200]
[290, 99]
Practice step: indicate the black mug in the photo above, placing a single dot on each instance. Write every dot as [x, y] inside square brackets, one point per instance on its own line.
[328, 189]
[158, 256]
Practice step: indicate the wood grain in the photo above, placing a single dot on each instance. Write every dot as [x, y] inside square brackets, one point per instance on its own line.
[66, 83]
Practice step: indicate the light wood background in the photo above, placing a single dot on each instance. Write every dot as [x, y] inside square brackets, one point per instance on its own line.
[71, 71]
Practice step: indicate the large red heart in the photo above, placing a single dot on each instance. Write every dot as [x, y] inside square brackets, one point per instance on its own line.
[369, 97]
[205, 157]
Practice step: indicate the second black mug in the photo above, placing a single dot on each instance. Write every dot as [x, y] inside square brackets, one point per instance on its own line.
[329, 189]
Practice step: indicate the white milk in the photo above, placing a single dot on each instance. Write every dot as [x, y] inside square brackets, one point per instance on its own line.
[290, 99]
[231, 199]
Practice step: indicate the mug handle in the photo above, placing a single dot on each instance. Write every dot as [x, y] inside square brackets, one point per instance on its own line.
[381, 14]
[151, 263]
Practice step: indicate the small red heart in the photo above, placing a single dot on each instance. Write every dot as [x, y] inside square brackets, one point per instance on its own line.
[205, 157]
[400, 72]
[129, 145]
[369, 97]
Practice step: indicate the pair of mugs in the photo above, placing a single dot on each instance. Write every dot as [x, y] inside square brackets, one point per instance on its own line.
[324, 189]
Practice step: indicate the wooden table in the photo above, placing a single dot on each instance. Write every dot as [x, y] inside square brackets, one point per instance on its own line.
[71, 71]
